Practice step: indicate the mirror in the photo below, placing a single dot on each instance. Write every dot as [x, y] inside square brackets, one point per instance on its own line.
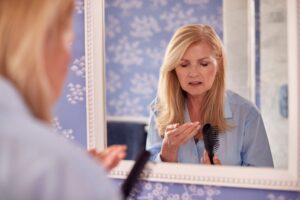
[284, 177]
[257, 69]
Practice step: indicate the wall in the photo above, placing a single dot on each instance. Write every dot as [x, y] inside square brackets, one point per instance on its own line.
[70, 121]
[137, 33]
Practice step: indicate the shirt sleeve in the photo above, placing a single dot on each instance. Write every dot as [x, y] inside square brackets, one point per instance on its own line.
[154, 141]
[256, 149]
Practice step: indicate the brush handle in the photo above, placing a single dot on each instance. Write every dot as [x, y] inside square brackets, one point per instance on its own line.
[135, 172]
[211, 156]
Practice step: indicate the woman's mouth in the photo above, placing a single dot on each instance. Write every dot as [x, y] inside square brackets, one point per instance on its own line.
[195, 83]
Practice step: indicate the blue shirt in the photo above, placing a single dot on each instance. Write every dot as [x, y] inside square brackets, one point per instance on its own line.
[38, 164]
[244, 144]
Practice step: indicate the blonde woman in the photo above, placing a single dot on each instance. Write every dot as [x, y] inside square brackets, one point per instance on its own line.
[35, 37]
[191, 93]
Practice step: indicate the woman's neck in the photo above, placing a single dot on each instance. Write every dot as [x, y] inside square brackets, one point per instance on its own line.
[194, 106]
[194, 109]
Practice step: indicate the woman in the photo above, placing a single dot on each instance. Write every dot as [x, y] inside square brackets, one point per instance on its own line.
[191, 93]
[35, 37]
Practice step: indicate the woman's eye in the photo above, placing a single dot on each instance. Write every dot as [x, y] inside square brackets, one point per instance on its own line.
[204, 64]
[183, 65]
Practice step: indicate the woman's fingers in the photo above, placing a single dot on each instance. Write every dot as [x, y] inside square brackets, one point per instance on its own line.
[176, 135]
[216, 160]
[186, 127]
[189, 133]
[113, 158]
[110, 156]
[172, 126]
[92, 151]
[205, 159]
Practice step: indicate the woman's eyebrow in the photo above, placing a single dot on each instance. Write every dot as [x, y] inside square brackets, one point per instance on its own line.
[200, 59]
[209, 58]
[183, 59]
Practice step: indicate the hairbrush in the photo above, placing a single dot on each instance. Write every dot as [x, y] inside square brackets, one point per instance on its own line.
[211, 140]
[134, 173]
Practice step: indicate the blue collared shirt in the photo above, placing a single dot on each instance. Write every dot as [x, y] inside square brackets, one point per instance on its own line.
[244, 144]
[38, 164]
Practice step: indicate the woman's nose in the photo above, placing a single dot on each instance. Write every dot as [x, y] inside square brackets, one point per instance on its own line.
[194, 71]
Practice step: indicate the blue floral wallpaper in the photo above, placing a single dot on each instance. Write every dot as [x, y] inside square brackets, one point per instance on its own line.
[133, 63]
[173, 191]
[137, 33]
[70, 111]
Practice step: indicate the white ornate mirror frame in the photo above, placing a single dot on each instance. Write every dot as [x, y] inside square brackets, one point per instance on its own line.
[287, 179]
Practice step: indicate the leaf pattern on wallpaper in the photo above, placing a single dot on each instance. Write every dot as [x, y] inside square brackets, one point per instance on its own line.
[205, 192]
[201, 3]
[212, 20]
[158, 3]
[79, 7]
[176, 17]
[76, 93]
[113, 81]
[66, 133]
[156, 54]
[143, 84]
[125, 5]
[160, 191]
[273, 196]
[112, 27]
[126, 53]
[125, 103]
[78, 66]
[144, 27]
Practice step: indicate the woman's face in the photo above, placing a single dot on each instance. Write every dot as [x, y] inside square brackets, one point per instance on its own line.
[57, 56]
[197, 69]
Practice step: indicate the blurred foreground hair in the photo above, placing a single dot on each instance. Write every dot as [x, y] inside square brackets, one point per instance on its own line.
[24, 26]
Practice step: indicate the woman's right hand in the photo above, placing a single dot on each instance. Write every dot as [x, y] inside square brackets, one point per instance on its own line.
[109, 157]
[176, 135]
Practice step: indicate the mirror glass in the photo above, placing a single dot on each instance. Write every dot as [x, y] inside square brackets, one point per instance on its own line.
[254, 34]
[271, 60]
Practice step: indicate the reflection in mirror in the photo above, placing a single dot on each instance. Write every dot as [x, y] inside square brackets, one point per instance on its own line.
[263, 75]
[273, 81]
[137, 33]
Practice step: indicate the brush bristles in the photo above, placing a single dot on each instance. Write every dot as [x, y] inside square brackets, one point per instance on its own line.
[211, 139]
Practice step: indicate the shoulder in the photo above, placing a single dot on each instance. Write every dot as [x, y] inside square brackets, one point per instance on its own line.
[34, 156]
[31, 146]
[239, 104]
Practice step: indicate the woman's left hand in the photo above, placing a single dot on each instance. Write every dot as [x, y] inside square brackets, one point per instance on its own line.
[109, 157]
[205, 159]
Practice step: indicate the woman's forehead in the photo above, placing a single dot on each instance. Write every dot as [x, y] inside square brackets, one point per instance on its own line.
[199, 50]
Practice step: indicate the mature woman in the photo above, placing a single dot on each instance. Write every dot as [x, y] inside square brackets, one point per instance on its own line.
[191, 93]
[35, 37]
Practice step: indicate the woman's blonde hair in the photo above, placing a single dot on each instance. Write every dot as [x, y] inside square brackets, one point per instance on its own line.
[24, 26]
[171, 98]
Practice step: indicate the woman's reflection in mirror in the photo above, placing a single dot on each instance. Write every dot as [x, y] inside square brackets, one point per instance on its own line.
[191, 93]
